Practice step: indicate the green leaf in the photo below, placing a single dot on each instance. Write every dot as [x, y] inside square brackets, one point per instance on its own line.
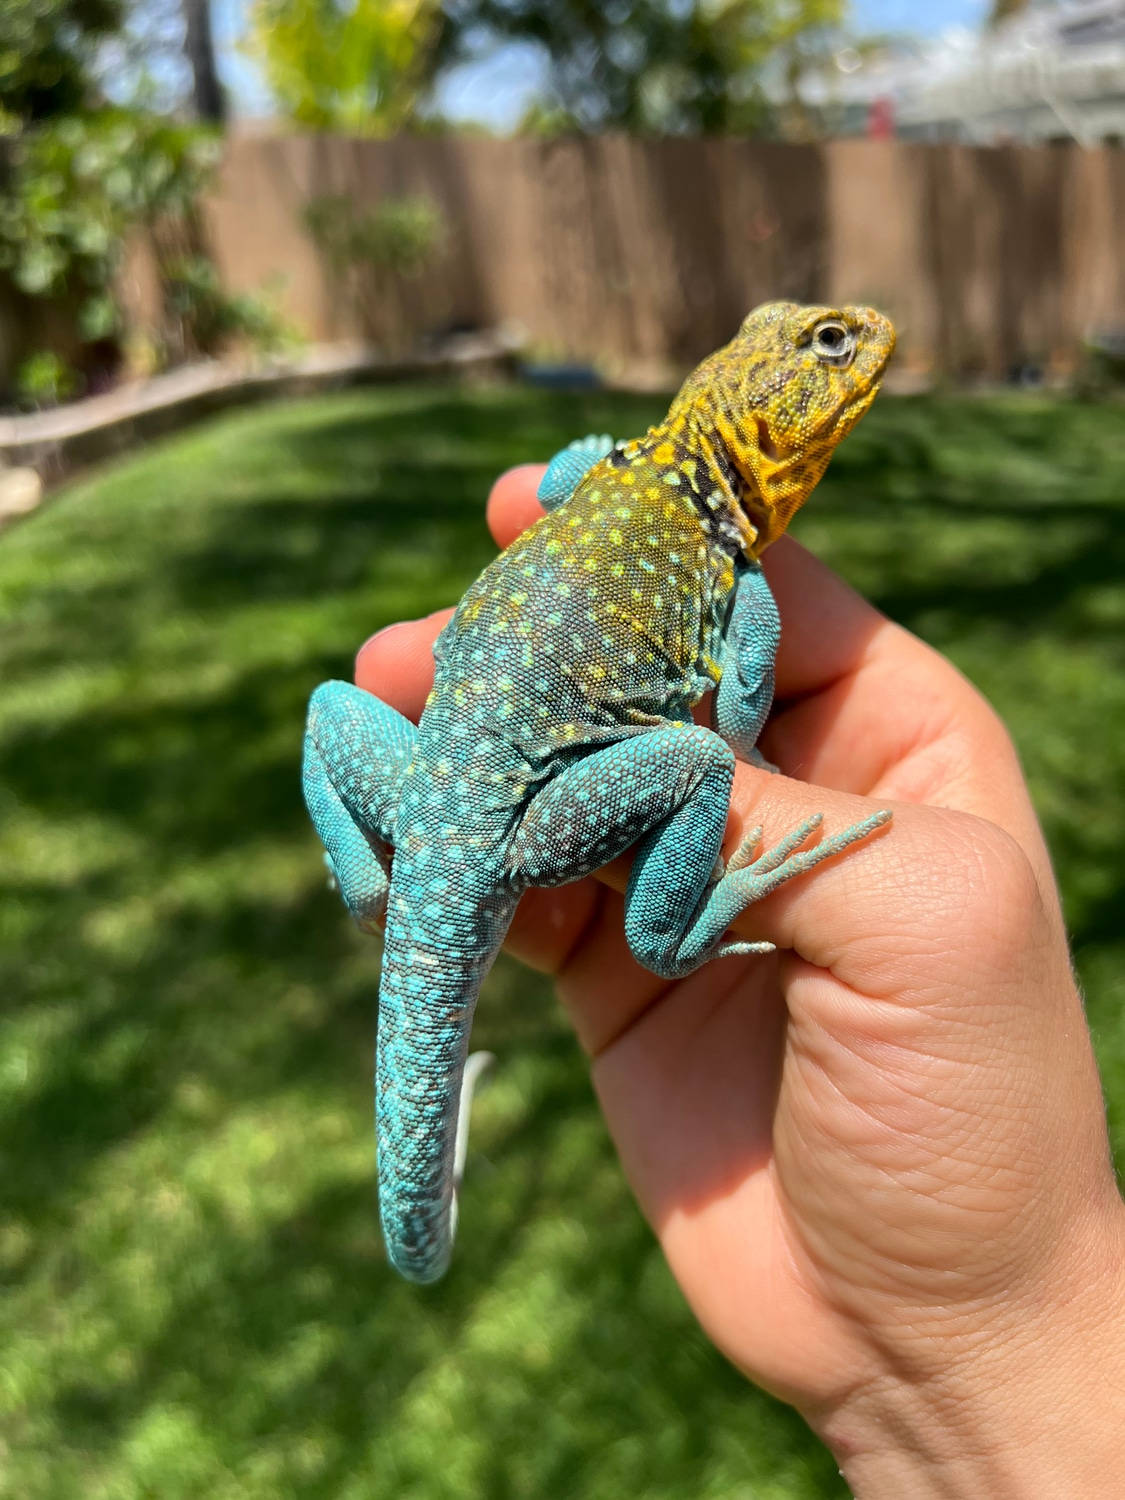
[97, 317]
[38, 270]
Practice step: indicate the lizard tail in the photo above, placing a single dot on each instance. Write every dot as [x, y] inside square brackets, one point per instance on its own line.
[423, 1091]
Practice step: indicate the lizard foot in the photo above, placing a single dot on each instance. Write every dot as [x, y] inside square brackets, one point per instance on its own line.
[748, 877]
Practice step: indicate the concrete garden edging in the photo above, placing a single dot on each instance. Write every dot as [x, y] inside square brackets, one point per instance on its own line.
[40, 450]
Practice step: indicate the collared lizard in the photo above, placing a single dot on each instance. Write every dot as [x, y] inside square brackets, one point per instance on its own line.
[559, 730]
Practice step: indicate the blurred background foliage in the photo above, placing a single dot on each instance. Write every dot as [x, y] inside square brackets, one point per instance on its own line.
[46, 50]
[644, 65]
[77, 185]
[196, 1296]
[118, 134]
[91, 162]
[651, 65]
[357, 68]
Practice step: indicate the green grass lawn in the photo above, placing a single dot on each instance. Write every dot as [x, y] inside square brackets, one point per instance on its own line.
[196, 1298]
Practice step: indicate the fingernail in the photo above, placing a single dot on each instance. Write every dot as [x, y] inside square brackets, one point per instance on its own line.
[386, 630]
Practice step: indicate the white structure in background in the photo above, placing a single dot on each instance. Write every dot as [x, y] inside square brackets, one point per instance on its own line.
[1055, 72]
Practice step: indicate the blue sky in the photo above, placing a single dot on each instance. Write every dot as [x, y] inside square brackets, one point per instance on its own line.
[497, 89]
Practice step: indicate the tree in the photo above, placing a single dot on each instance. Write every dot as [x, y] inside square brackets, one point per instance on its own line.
[1004, 10]
[206, 92]
[47, 49]
[333, 66]
[673, 66]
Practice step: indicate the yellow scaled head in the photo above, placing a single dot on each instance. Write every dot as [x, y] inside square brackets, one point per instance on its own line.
[778, 398]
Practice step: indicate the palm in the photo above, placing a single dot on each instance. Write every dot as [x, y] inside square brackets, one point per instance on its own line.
[717, 1100]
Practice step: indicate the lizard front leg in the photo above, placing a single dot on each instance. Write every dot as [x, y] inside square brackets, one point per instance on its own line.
[569, 467]
[668, 790]
[744, 696]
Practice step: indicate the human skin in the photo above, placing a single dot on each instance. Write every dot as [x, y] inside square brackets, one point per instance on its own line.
[877, 1161]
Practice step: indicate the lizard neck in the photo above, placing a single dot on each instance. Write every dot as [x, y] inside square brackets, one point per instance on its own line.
[725, 500]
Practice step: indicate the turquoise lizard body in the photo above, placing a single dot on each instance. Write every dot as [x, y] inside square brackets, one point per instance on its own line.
[559, 730]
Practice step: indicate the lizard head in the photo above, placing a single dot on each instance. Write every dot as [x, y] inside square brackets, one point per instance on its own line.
[778, 398]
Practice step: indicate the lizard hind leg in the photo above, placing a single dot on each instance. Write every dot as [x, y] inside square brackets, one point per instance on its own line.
[668, 791]
[744, 880]
[356, 751]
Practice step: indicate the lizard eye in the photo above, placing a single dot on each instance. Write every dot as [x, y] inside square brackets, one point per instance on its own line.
[833, 342]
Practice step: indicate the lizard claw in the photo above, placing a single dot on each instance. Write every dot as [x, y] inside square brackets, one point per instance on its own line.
[736, 948]
[742, 856]
[747, 848]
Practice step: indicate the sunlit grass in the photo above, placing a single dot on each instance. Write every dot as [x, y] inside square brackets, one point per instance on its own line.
[197, 1302]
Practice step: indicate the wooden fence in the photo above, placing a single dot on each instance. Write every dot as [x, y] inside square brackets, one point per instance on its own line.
[644, 254]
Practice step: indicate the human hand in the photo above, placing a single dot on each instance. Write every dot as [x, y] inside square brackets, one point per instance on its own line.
[877, 1162]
